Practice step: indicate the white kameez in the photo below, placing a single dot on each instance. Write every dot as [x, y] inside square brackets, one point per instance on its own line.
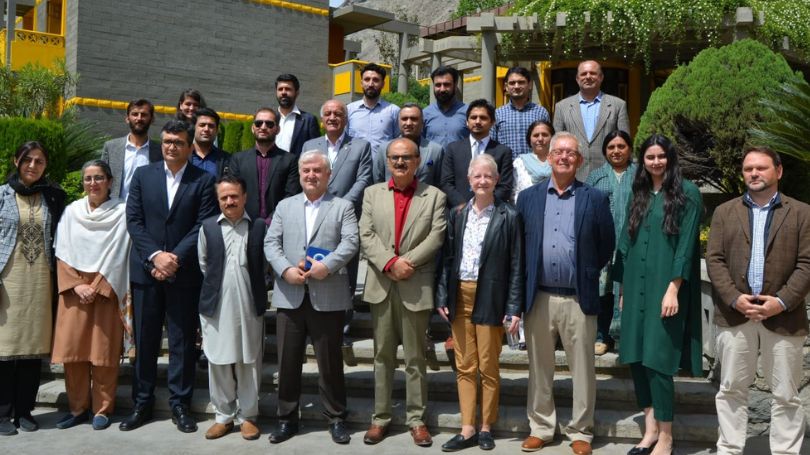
[234, 334]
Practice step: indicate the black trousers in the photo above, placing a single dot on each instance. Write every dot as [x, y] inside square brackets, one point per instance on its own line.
[603, 320]
[325, 329]
[19, 384]
[178, 305]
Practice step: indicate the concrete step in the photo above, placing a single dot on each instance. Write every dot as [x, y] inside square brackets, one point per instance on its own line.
[441, 415]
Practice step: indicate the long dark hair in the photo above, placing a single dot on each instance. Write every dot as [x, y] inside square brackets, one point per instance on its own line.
[674, 198]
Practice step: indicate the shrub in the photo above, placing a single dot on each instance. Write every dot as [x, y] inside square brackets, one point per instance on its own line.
[232, 137]
[72, 184]
[246, 140]
[719, 91]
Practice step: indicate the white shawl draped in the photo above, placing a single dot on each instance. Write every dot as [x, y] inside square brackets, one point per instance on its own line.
[96, 241]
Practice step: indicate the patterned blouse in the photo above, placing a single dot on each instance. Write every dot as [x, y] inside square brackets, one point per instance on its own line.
[474, 232]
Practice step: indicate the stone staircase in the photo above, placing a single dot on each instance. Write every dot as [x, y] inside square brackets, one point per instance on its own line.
[616, 412]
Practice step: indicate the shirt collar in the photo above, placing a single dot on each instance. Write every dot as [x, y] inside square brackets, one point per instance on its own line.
[553, 189]
[773, 202]
[526, 106]
[179, 173]
[295, 111]
[316, 203]
[598, 99]
[380, 103]
[484, 141]
[245, 217]
[339, 140]
[408, 189]
[132, 146]
[487, 210]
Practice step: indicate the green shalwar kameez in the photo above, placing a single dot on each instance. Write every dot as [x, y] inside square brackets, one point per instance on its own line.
[646, 265]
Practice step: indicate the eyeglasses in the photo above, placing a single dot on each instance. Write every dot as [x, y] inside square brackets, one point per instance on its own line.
[267, 123]
[94, 178]
[566, 153]
[176, 144]
[405, 158]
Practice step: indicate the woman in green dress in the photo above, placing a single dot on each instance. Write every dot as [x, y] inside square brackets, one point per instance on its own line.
[658, 262]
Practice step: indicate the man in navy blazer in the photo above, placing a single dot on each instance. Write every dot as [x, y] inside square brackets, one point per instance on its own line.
[457, 157]
[569, 238]
[167, 202]
[296, 126]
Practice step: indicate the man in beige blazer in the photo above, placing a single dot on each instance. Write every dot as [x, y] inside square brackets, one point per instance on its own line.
[758, 259]
[401, 230]
[590, 115]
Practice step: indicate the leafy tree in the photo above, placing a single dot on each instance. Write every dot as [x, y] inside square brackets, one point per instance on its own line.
[467, 7]
[709, 105]
[787, 129]
[417, 93]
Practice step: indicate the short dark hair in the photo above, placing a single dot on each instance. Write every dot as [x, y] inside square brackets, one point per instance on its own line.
[140, 102]
[193, 94]
[411, 105]
[205, 112]
[373, 67]
[232, 179]
[482, 103]
[175, 126]
[267, 109]
[444, 70]
[777, 160]
[286, 77]
[534, 125]
[520, 71]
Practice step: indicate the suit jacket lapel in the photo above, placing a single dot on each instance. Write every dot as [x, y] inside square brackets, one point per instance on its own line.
[494, 226]
[296, 129]
[581, 200]
[743, 218]
[341, 156]
[414, 209]
[274, 168]
[779, 215]
[604, 112]
[181, 188]
[576, 115]
[326, 205]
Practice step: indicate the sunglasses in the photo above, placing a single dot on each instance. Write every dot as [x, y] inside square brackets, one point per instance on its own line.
[268, 123]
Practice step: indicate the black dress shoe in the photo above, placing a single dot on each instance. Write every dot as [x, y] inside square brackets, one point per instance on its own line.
[138, 418]
[485, 440]
[183, 420]
[458, 442]
[339, 433]
[285, 431]
[642, 450]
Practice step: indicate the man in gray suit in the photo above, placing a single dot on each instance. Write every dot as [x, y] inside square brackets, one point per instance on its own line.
[350, 157]
[590, 115]
[125, 154]
[311, 294]
[411, 124]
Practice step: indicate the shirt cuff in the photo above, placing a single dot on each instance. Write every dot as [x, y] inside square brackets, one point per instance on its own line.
[784, 307]
[152, 256]
[390, 263]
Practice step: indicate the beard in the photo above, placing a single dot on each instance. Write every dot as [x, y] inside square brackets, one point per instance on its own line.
[286, 102]
[137, 129]
[371, 93]
[443, 97]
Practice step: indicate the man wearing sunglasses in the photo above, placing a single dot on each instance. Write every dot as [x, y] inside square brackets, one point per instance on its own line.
[271, 173]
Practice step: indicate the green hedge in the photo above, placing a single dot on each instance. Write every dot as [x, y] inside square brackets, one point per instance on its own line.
[235, 136]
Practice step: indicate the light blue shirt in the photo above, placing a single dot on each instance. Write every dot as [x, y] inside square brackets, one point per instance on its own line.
[376, 125]
[559, 255]
[759, 232]
[448, 126]
[590, 114]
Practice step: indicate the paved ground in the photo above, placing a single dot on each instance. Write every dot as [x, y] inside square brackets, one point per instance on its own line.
[161, 437]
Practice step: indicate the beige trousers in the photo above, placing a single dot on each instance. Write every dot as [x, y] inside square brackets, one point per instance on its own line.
[478, 349]
[234, 390]
[553, 315]
[781, 358]
[84, 380]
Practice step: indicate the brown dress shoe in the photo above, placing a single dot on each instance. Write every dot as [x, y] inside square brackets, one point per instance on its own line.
[581, 447]
[375, 434]
[532, 444]
[421, 436]
[249, 430]
[218, 430]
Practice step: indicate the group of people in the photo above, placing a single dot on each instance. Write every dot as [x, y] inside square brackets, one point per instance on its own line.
[499, 220]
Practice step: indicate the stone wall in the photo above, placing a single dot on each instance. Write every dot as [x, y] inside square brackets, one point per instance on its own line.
[230, 50]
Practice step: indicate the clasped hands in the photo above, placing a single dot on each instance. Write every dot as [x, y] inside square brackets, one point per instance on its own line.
[299, 275]
[758, 307]
[165, 265]
[86, 293]
[401, 269]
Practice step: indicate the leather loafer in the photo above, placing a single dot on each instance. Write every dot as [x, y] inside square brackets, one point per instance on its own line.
[249, 430]
[7, 427]
[285, 431]
[486, 441]
[218, 430]
[421, 436]
[458, 442]
[375, 434]
[139, 417]
[339, 433]
[27, 423]
[183, 420]
[101, 422]
[581, 447]
[532, 444]
[70, 420]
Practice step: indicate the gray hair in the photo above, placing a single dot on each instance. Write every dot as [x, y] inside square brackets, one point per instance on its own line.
[563, 135]
[483, 158]
[105, 167]
[310, 155]
[340, 103]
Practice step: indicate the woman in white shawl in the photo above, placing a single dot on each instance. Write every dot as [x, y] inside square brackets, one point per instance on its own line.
[92, 250]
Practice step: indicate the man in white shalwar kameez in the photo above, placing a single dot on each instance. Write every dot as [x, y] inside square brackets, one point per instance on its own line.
[232, 304]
